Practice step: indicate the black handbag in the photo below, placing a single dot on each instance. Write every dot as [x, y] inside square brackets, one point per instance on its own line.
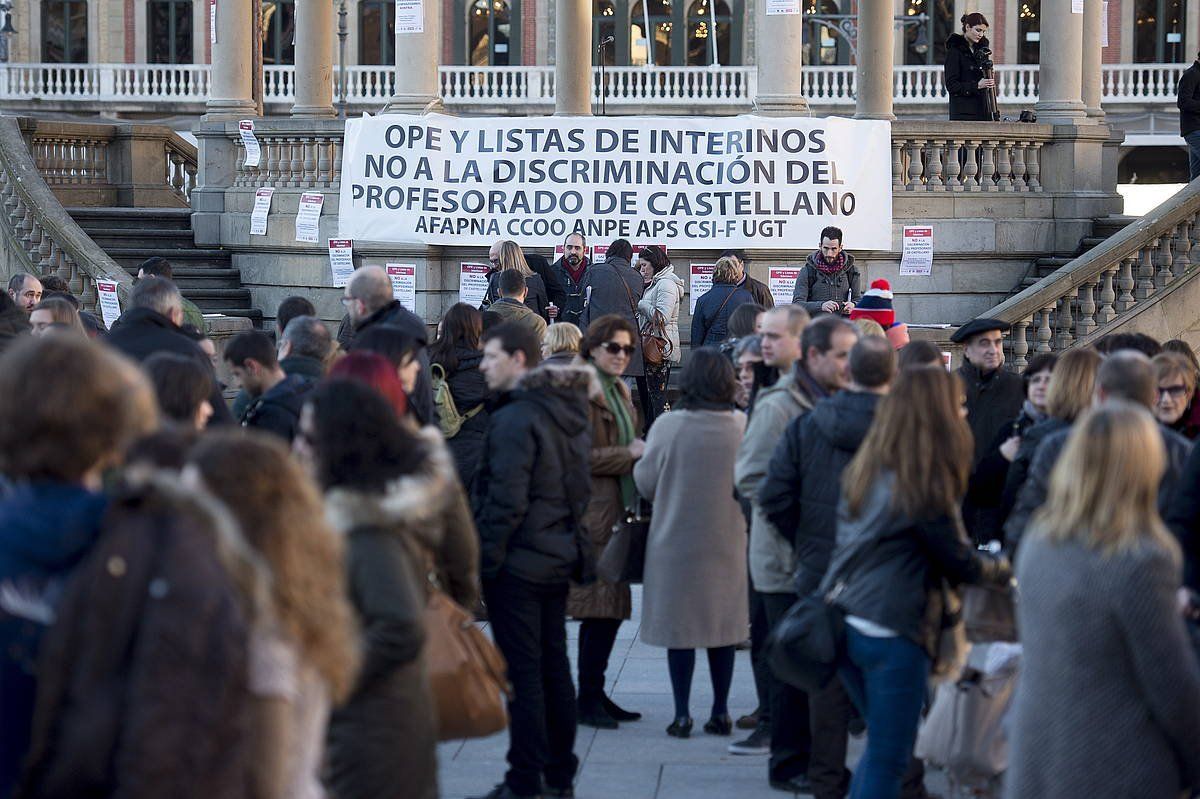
[804, 648]
[624, 557]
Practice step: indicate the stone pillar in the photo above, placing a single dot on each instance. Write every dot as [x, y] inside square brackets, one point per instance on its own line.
[573, 58]
[1061, 79]
[231, 94]
[314, 59]
[1093, 57]
[876, 46]
[779, 60]
[418, 55]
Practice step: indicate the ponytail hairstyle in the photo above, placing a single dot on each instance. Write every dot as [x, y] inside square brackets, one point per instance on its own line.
[973, 19]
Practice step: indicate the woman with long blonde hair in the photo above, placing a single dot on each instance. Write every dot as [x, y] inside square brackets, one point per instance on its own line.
[506, 255]
[899, 539]
[311, 661]
[1109, 696]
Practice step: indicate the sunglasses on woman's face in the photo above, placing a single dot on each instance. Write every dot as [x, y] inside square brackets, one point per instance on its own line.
[613, 348]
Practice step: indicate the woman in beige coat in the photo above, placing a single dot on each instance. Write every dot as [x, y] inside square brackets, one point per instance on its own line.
[695, 592]
[607, 347]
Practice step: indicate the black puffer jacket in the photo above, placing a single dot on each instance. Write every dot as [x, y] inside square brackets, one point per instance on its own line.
[469, 389]
[886, 564]
[277, 410]
[1018, 470]
[799, 495]
[534, 479]
[963, 74]
[987, 505]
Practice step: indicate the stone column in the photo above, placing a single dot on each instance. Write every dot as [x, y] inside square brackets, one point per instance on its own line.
[573, 58]
[1093, 58]
[876, 46]
[417, 58]
[314, 59]
[231, 94]
[1061, 80]
[779, 60]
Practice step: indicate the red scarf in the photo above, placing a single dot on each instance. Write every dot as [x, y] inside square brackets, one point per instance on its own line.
[575, 273]
[826, 268]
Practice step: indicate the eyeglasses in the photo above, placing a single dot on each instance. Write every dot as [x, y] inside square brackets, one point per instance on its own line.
[1178, 392]
[613, 348]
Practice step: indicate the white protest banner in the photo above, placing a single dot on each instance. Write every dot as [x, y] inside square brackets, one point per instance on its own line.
[404, 284]
[410, 16]
[250, 142]
[712, 182]
[782, 281]
[341, 261]
[701, 282]
[106, 298]
[917, 256]
[472, 283]
[308, 217]
[262, 208]
[779, 7]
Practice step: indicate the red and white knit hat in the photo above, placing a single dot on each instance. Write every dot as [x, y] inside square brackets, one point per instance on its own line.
[876, 303]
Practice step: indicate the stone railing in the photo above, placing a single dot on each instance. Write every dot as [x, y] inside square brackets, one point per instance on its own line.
[1096, 290]
[181, 166]
[968, 157]
[39, 236]
[295, 154]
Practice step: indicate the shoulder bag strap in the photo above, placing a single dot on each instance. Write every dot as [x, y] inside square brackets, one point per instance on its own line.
[628, 293]
[720, 308]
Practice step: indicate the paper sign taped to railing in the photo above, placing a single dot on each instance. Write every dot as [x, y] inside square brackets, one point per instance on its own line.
[404, 284]
[250, 142]
[701, 282]
[410, 16]
[106, 298]
[472, 283]
[1076, 6]
[262, 209]
[712, 182]
[780, 7]
[341, 261]
[782, 282]
[308, 217]
[917, 257]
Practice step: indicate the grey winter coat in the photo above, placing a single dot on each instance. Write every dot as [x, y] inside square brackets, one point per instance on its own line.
[665, 295]
[814, 288]
[615, 288]
[694, 593]
[1108, 702]
[772, 558]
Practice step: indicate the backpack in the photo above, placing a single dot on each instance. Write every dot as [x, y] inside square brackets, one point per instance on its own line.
[443, 400]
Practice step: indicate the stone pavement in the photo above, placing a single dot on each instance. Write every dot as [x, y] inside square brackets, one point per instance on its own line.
[639, 760]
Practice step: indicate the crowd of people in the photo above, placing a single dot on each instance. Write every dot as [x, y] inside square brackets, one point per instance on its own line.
[209, 598]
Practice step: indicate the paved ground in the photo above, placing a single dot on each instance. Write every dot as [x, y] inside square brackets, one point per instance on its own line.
[639, 760]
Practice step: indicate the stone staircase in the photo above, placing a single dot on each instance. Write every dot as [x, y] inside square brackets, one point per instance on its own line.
[206, 276]
[1103, 229]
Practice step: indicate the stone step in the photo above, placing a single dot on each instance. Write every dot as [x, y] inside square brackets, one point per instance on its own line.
[212, 300]
[190, 257]
[253, 314]
[133, 218]
[1110, 225]
[117, 238]
[198, 278]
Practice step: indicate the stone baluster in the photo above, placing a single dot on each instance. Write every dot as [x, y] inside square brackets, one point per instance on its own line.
[1086, 322]
[1107, 297]
[43, 251]
[87, 288]
[1033, 165]
[987, 170]
[1018, 167]
[933, 172]
[971, 166]
[1020, 344]
[295, 165]
[954, 166]
[1004, 168]
[1044, 333]
[1165, 261]
[26, 228]
[190, 170]
[271, 154]
[1145, 276]
[1066, 320]
[1183, 256]
[100, 164]
[308, 145]
[915, 168]
[1126, 300]
[176, 161]
[337, 161]
[898, 177]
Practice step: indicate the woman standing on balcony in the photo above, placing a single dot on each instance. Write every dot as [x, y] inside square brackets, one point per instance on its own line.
[965, 81]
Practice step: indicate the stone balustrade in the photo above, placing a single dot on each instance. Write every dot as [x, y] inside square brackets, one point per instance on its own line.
[298, 155]
[968, 157]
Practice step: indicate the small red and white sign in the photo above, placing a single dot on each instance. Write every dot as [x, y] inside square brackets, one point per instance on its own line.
[308, 217]
[110, 304]
[404, 284]
[782, 282]
[472, 283]
[917, 256]
[250, 142]
[341, 261]
[701, 281]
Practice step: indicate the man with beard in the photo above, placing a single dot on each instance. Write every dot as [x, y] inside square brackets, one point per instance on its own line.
[569, 270]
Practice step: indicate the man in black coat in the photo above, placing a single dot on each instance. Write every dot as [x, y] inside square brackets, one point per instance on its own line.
[569, 271]
[369, 301]
[276, 397]
[530, 493]
[800, 497]
[152, 324]
[1188, 100]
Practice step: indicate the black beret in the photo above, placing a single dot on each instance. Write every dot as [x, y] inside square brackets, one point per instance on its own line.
[977, 326]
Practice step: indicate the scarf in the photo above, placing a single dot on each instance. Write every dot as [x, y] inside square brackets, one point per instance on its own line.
[827, 268]
[615, 401]
[576, 272]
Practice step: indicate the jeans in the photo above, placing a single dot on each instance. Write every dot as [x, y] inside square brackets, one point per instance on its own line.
[886, 678]
[1193, 142]
[791, 738]
[529, 623]
[656, 384]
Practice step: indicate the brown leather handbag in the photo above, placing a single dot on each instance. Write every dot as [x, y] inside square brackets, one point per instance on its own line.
[656, 347]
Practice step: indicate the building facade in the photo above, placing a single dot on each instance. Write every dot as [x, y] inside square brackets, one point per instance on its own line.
[521, 32]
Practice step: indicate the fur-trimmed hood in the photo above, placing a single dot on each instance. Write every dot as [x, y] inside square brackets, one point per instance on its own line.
[560, 392]
[411, 503]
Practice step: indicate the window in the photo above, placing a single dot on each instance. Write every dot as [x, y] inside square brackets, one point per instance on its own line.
[1029, 27]
[64, 31]
[661, 25]
[169, 23]
[489, 34]
[279, 26]
[701, 39]
[1158, 31]
[604, 24]
[925, 41]
[823, 44]
[377, 32]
